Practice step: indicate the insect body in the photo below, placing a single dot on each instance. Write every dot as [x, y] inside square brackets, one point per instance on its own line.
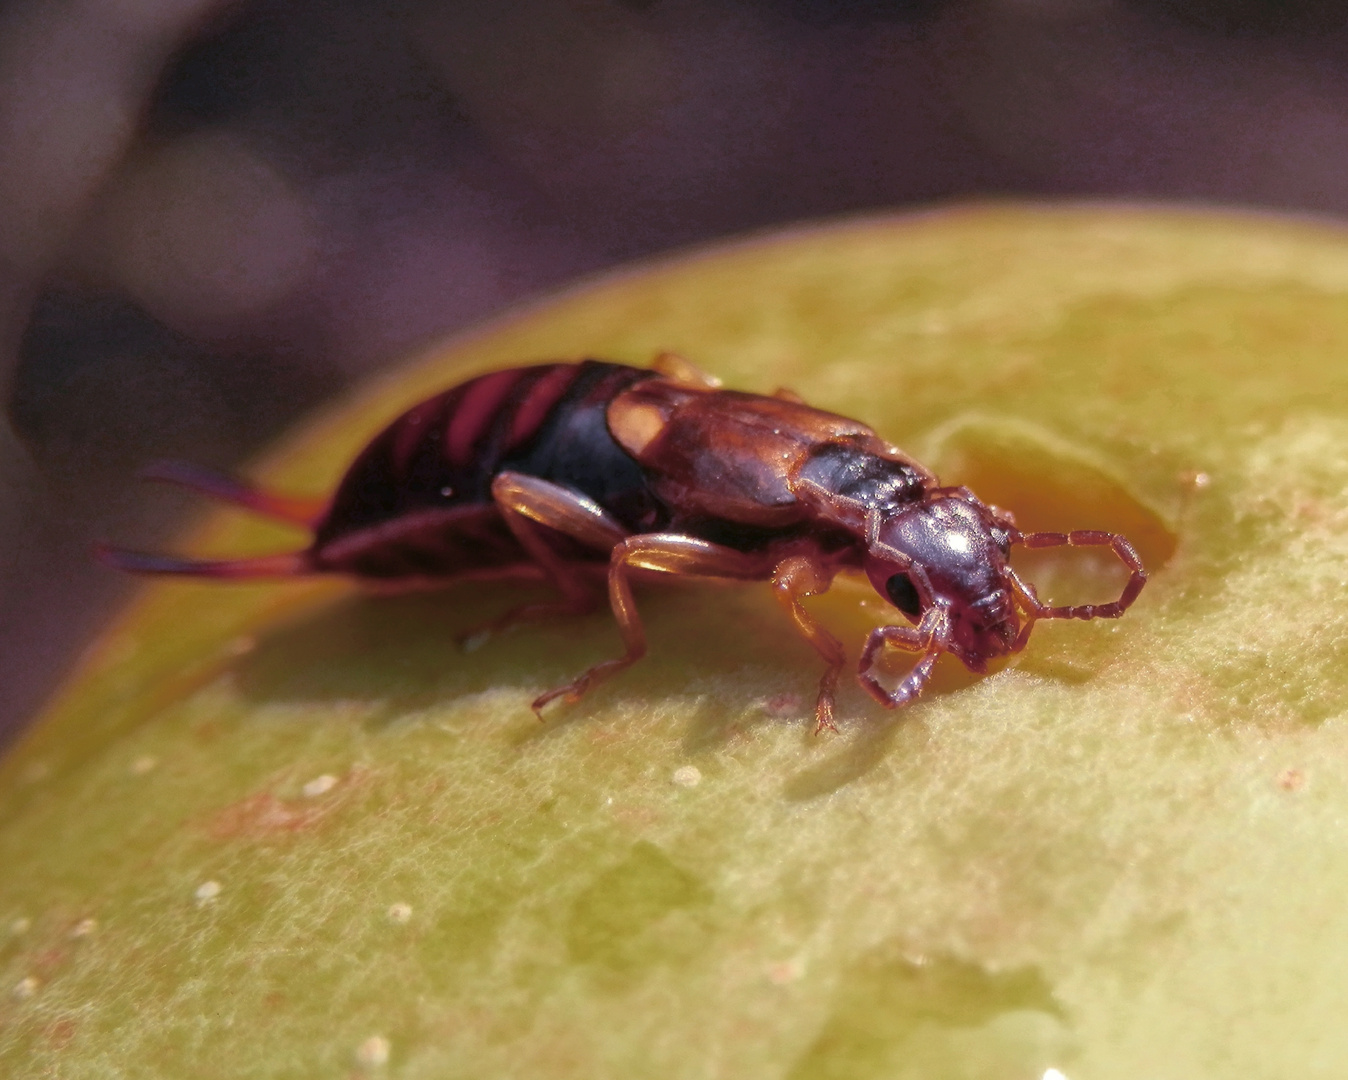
[560, 470]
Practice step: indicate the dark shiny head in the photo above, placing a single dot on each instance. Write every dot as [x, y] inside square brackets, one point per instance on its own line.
[950, 552]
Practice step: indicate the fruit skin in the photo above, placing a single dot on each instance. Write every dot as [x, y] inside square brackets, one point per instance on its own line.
[292, 831]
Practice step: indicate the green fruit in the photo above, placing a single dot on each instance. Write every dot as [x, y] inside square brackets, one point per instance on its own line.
[290, 830]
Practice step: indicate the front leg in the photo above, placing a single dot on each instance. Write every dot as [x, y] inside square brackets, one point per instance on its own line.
[669, 553]
[930, 637]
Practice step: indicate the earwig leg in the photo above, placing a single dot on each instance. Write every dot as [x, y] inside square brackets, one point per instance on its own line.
[525, 499]
[796, 577]
[295, 511]
[287, 564]
[1088, 538]
[1030, 605]
[1024, 591]
[527, 502]
[928, 638]
[673, 366]
[667, 553]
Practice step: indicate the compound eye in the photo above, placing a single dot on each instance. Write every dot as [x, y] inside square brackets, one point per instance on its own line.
[903, 595]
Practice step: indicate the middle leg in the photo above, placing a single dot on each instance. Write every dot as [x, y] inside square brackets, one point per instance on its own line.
[669, 553]
[799, 576]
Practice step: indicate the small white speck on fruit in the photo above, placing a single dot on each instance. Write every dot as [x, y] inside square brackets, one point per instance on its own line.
[399, 913]
[21, 925]
[319, 785]
[26, 988]
[373, 1052]
[1054, 1074]
[84, 928]
[473, 642]
[207, 891]
[143, 764]
[242, 645]
[688, 776]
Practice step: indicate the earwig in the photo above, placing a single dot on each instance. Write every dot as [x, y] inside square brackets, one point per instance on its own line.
[559, 470]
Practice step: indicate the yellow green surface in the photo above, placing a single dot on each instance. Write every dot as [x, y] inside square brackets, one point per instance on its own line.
[290, 831]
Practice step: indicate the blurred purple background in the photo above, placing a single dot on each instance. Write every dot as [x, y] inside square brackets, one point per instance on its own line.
[215, 214]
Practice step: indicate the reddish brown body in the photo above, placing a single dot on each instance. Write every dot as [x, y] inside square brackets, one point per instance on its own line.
[559, 470]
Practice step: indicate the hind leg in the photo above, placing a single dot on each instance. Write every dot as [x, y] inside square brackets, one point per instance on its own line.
[528, 503]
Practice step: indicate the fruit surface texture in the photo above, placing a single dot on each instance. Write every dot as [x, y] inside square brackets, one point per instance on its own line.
[295, 830]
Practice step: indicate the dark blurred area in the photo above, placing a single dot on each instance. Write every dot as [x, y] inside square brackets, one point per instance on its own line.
[213, 215]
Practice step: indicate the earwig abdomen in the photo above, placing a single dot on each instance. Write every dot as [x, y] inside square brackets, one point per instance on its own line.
[417, 501]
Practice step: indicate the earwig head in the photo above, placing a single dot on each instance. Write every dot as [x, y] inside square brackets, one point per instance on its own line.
[951, 552]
